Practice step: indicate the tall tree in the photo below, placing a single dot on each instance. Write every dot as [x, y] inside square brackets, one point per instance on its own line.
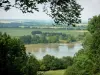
[87, 60]
[13, 58]
[12, 55]
[31, 67]
[94, 55]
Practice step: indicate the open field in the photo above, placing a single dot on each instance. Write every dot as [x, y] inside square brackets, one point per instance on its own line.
[56, 72]
[16, 32]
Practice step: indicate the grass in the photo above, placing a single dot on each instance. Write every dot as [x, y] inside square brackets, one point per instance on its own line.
[16, 32]
[56, 72]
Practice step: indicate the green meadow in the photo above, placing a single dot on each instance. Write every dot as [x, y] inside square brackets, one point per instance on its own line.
[55, 72]
[16, 32]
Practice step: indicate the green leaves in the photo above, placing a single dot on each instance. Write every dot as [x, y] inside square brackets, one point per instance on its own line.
[52, 63]
[13, 58]
[12, 55]
[87, 60]
[31, 67]
[94, 24]
[65, 11]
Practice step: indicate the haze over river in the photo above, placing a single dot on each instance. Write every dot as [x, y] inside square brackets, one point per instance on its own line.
[57, 50]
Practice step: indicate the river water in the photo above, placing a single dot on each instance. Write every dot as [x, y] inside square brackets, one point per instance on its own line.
[57, 50]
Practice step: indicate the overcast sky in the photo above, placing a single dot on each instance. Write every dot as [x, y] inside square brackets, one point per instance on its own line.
[91, 8]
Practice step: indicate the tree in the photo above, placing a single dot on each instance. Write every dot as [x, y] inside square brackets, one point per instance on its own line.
[71, 38]
[67, 61]
[47, 59]
[71, 70]
[13, 58]
[94, 55]
[62, 11]
[53, 63]
[43, 39]
[32, 66]
[26, 39]
[87, 60]
[35, 39]
[53, 39]
[12, 55]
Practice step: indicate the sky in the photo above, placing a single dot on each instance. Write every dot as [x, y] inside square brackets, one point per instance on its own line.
[91, 8]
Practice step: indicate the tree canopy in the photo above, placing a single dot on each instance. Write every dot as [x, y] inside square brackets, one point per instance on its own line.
[13, 57]
[61, 11]
[87, 60]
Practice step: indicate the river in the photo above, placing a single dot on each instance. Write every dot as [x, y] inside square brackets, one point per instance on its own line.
[57, 50]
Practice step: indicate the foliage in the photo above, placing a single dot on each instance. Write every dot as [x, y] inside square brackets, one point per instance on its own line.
[27, 39]
[94, 24]
[52, 63]
[86, 61]
[35, 39]
[81, 37]
[12, 55]
[82, 65]
[13, 58]
[31, 67]
[62, 11]
[71, 39]
[94, 54]
[47, 37]
[53, 39]
[67, 61]
[71, 71]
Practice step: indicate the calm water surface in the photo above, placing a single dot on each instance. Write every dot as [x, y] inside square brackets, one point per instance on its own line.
[57, 50]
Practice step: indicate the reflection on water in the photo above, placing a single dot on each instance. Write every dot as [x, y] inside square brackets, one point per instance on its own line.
[57, 50]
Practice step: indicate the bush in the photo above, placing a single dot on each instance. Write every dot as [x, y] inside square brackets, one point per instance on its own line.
[52, 63]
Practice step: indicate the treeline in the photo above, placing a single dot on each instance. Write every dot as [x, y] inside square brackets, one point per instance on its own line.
[46, 37]
[35, 39]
